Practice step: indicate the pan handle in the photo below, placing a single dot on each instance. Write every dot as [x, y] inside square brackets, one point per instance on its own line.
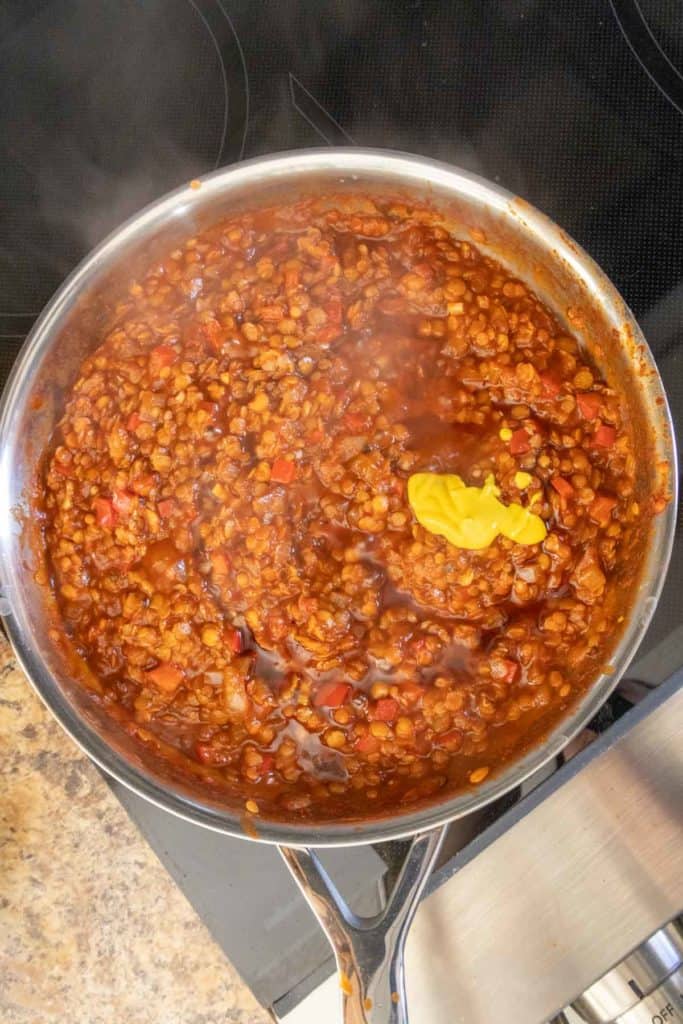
[368, 950]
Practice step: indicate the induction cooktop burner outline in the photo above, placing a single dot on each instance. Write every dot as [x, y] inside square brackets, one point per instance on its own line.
[649, 49]
[236, 115]
[102, 111]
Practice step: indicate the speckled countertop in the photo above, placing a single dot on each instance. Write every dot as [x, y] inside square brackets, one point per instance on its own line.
[92, 928]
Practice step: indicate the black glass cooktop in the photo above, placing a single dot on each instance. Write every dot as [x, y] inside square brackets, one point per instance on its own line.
[577, 105]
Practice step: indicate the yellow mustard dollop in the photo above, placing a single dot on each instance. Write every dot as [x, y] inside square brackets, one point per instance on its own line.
[470, 517]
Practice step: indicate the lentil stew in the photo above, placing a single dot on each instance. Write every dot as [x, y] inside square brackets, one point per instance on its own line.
[227, 525]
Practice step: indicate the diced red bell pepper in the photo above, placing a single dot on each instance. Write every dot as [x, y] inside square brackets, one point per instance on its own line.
[213, 332]
[236, 641]
[209, 754]
[505, 670]
[353, 421]
[124, 502]
[220, 564]
[331, 695]
[424, 269]
[105, 512]
[142, 485]
[291, 278]
[204, 752]
[280, 247]
[166, 677]
[604, 436]
[166, 507]
[333, 308]
[453, 739]
[283, 471]
[519, 442]
[210, 407]
[271, 314]
[588, 403]
[367, 744]
[562, 486]
[385, 710]
[423, 744]
[328, 333]
[267, 763]
[550, 385]
[511, 671]
[161, 356]
[601, 509]
[412, 692]
[63, 468]
[133, 421]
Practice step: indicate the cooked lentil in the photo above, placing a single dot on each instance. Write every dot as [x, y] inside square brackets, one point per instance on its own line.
[228, 530]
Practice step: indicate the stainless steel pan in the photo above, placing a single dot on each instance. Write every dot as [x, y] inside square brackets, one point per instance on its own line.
[369, 953]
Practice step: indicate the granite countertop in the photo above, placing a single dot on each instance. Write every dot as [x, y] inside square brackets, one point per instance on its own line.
[92, 928]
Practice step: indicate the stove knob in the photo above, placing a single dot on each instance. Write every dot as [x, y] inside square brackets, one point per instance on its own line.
[644, 987]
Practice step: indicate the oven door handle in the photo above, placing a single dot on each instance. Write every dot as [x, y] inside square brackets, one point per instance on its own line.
[369, 950]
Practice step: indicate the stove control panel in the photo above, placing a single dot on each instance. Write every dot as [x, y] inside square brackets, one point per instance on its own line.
[646, 987]
[663, 1006]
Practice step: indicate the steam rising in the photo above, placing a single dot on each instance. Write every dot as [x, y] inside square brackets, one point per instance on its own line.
[99, 114]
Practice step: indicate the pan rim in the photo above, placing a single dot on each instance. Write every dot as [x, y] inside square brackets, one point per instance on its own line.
[330, 834]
